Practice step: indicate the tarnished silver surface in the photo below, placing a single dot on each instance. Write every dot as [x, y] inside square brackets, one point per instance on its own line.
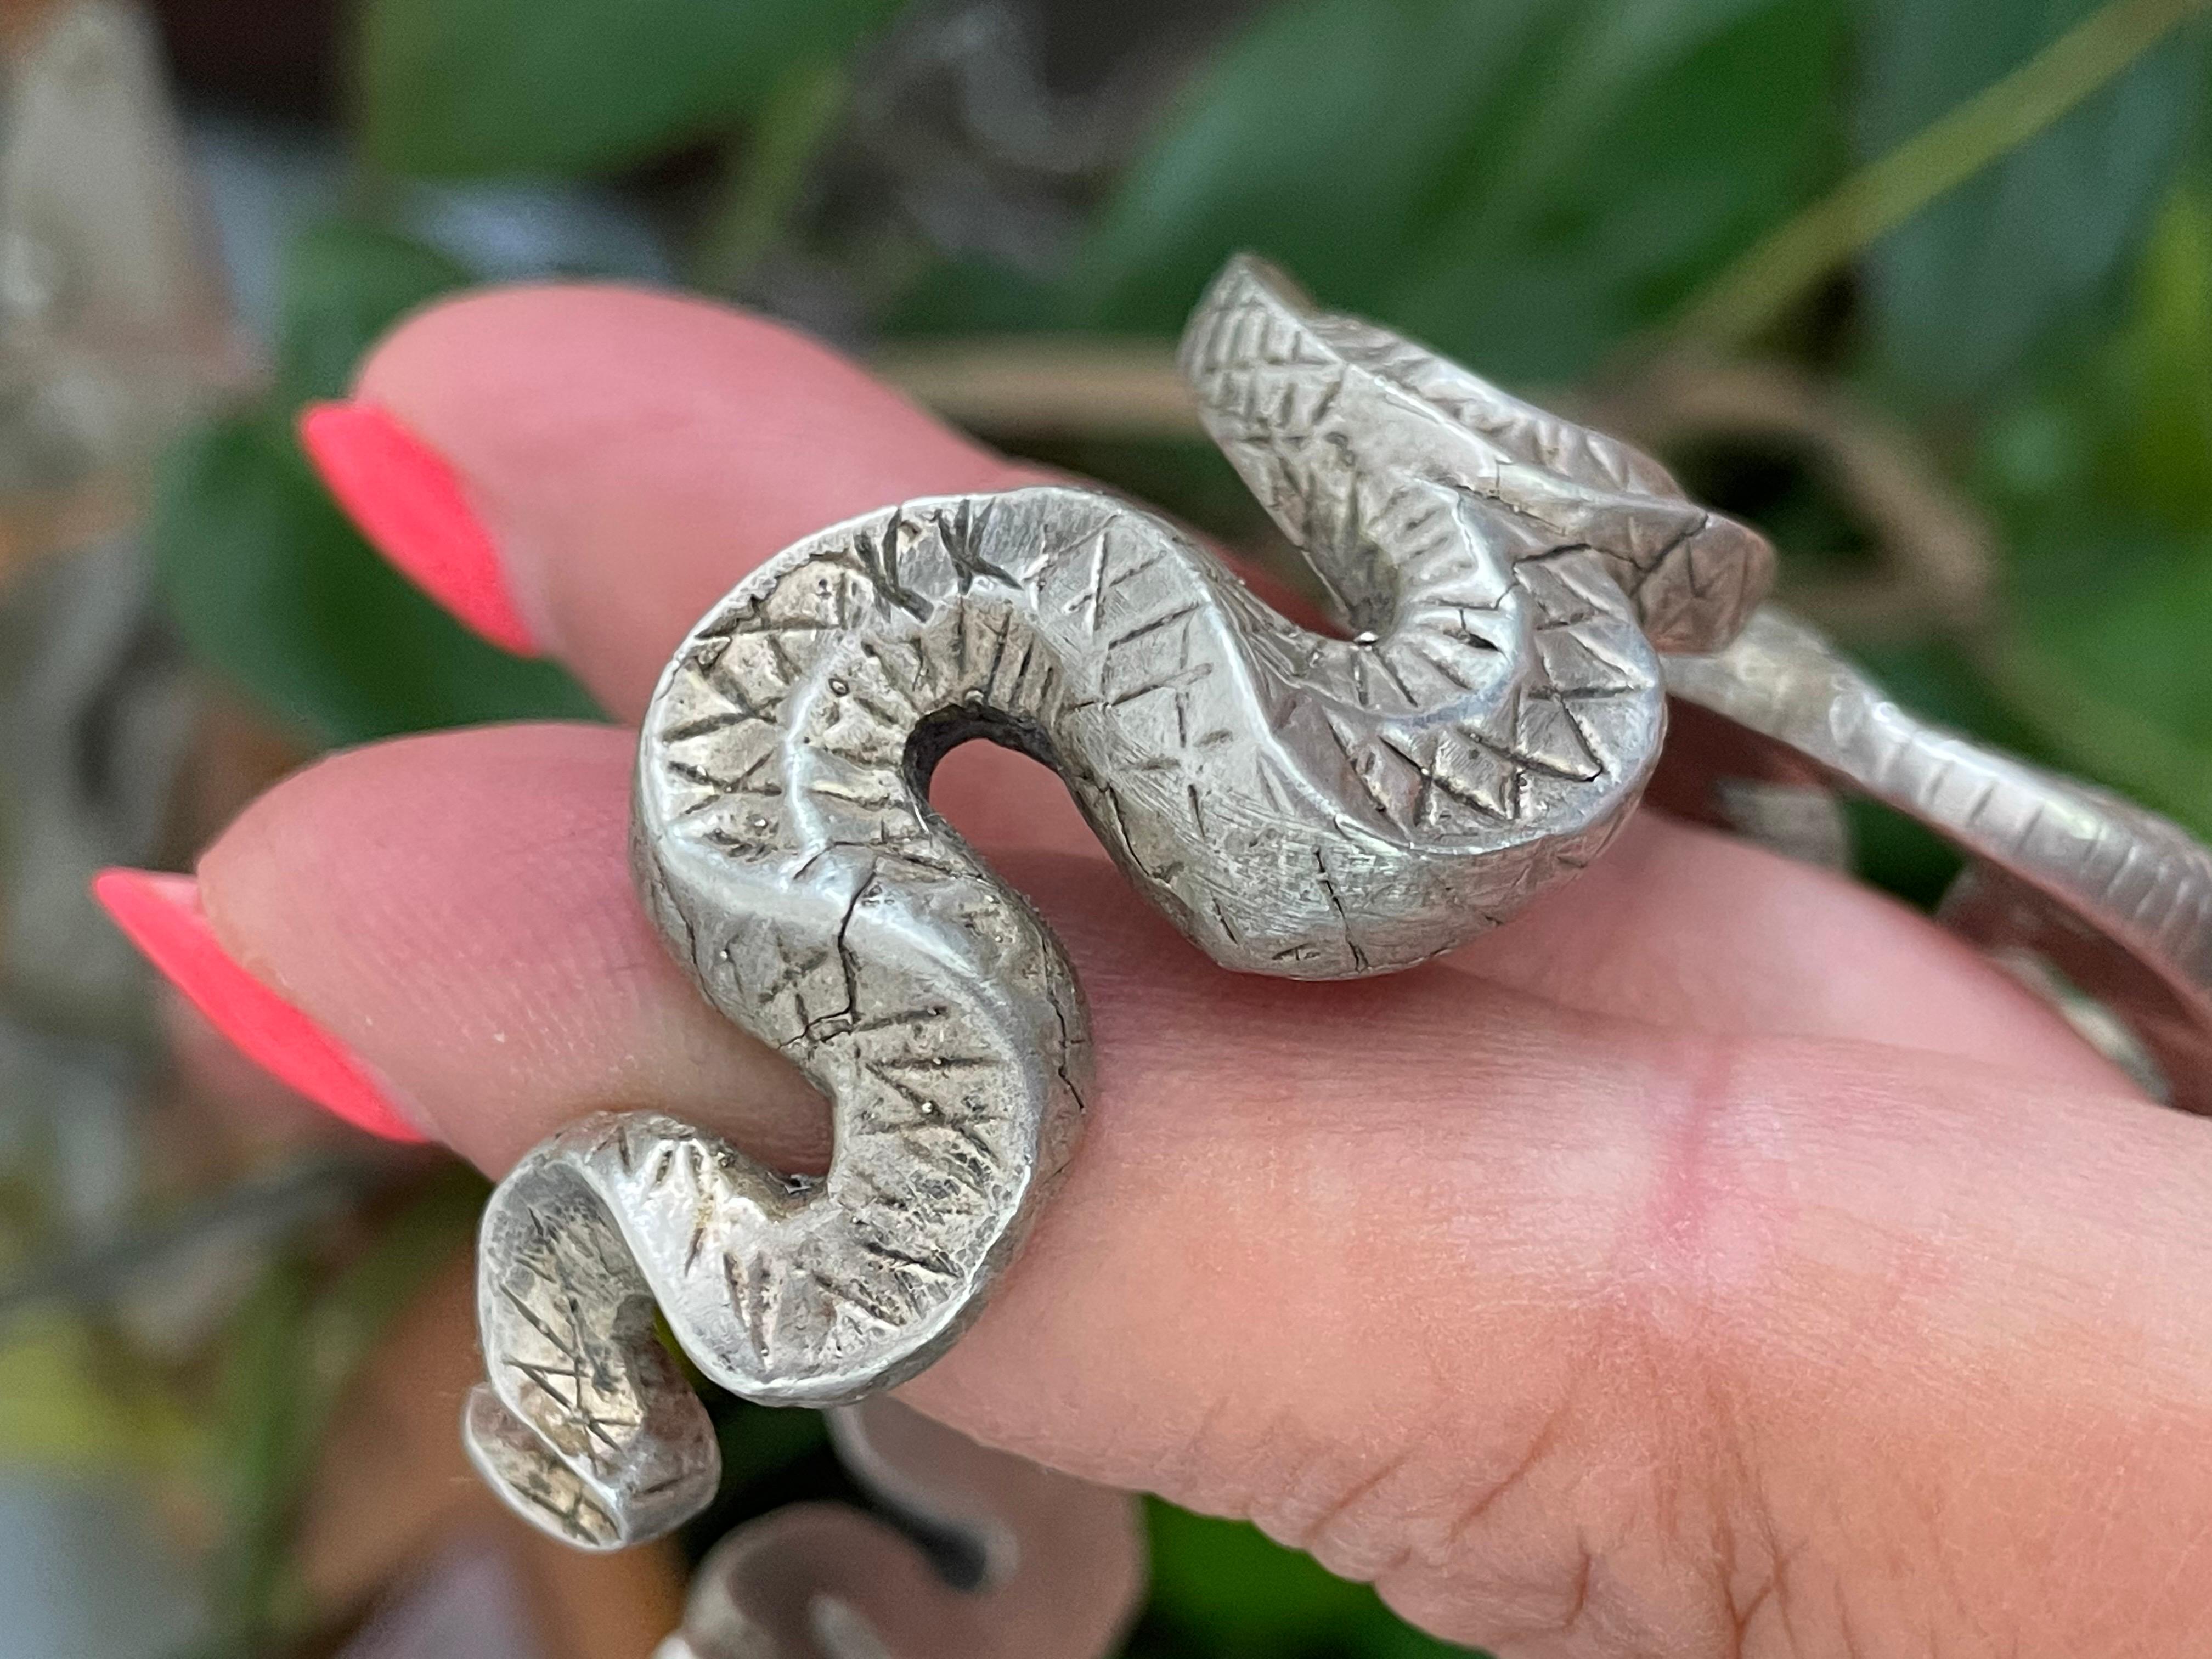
[2117, 899]
[1298, 805]
[991, 1558]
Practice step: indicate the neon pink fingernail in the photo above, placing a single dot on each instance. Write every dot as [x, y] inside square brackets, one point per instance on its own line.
[406, 500]
[162, 915]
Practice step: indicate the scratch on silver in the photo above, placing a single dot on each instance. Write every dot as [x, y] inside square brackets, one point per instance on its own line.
[1298, 805]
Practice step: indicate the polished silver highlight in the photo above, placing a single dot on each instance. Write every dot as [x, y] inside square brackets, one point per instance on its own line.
[2116, 898]
[1298, 805]
[991, 1558]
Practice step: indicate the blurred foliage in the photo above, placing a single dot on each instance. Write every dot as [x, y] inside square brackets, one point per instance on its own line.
[227, 1434]
[1525, 183]
[2152, 447]
[268, 580]
[62, 1402]
[1958, 298]
[1544, 187]
[1222, 1588]
[479, 86]
[298, 1341]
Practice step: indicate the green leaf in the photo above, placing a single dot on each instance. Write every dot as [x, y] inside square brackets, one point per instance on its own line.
[1245, 1594]
[345, 285]
[2102, 476]
[2108, 663]
[267, 579]
[1229, 1579]
[457, 88]
[1314, 137]
[2159, 426]
[269, 583]
[1672, 135]
[291, 1352]
[63, 1404]
[971, 295]
[1964, 292]
[264, 1443]
[1522, 183]
[1384, 1635]
[764, 181]
[759, 1440]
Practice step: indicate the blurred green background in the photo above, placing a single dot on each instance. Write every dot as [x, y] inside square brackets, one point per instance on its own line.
[1923, 287]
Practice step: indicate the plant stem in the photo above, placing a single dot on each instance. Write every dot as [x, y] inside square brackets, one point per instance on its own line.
[764, 181]
[1784, 266]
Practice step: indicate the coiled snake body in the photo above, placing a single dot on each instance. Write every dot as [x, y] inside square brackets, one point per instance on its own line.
[1298, 805]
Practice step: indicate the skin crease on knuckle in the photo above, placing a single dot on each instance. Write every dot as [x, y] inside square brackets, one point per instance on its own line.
[1633, 1451]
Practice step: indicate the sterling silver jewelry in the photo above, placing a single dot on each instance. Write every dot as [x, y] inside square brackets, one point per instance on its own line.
[1298, 805]
[975, 1555]
[2115, 898]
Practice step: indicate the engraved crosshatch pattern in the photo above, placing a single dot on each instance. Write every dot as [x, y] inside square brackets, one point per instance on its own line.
[1298, 805]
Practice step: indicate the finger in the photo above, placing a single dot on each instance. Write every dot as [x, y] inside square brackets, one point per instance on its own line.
[610, 461]
[1683, 926]
[479, 880]
[613, 460]
[581, 471]
[1458, 1287]
[537, 993]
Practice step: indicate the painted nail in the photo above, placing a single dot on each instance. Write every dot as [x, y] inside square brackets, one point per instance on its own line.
[162, 915]
[405, 498]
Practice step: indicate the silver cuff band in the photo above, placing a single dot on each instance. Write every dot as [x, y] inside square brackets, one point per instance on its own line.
[2118, 900]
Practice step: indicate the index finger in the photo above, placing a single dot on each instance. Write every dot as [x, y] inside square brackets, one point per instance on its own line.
[588, 468]
[626, 457]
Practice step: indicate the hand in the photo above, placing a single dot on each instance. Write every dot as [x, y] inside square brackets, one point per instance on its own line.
[1717, 1259]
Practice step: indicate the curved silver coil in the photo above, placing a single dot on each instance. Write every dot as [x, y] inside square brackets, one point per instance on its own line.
[1298, 805]
[2116, 898]
[1049, 1567]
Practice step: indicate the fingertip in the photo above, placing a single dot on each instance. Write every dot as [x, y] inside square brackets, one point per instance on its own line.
[162, 915]
[631, 454]
[458, 907]
[410, 502]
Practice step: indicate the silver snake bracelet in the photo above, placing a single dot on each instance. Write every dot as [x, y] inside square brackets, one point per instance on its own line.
[2116, 899]
[1297, 804]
